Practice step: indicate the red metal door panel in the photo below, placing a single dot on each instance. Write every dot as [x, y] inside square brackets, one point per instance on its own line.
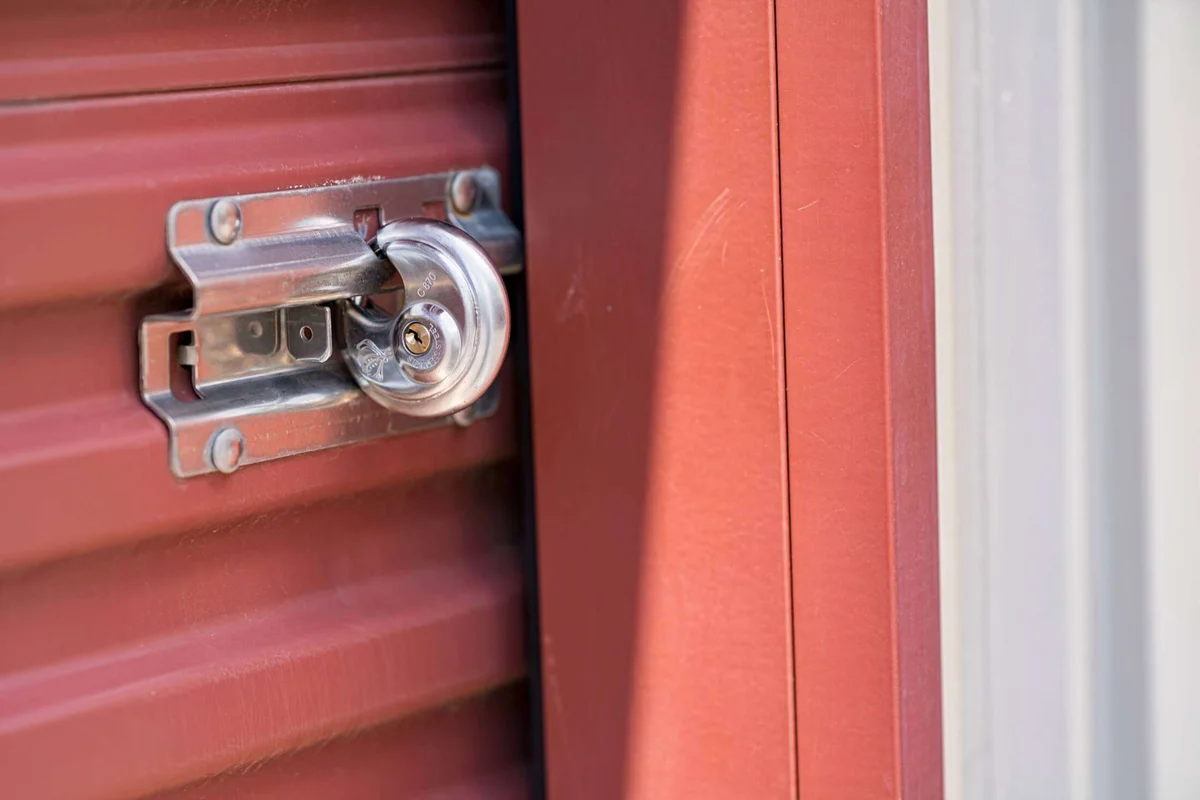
[77, 48]
[161, 635]
[111, 168]
[427, 756]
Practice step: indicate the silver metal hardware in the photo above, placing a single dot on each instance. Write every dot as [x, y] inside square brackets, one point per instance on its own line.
[454, 304]
[290, 317]
[225, 221]
[417, 338]
[226, 449]
[463, 192]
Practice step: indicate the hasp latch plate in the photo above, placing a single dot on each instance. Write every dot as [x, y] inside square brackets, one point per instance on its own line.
[255, 370]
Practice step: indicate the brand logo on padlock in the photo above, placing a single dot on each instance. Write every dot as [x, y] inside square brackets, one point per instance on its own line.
[371, 360]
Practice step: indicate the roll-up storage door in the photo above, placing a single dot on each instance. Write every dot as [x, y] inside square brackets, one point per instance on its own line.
[345, 623]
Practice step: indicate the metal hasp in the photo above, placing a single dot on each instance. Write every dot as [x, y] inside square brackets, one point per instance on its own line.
[326, 316]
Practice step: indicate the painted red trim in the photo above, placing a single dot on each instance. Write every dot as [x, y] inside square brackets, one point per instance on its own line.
[858, 306]
[652, 230]
[651, 189]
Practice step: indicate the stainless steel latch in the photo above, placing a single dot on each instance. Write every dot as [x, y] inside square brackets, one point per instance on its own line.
[326, 316]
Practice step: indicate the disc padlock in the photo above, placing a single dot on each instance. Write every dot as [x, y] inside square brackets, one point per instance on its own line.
[444, 347]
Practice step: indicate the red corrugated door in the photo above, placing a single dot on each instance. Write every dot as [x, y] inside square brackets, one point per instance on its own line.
[344, 624]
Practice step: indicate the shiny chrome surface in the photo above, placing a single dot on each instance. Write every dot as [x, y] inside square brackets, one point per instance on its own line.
[258, 345]
[456, 297]
[225, 221]
[226, 449]
[463, 193]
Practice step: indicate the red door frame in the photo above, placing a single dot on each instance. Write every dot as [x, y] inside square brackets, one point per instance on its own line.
[858, 265]
[731, 321]
[657, 397]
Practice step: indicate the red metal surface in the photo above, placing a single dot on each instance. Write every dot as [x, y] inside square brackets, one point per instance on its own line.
[161, 633]
[462, 753]
[658, 405]
[858, 264]
[75, 48]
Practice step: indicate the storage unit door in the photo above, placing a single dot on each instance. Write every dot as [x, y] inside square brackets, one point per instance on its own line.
[347, 623]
